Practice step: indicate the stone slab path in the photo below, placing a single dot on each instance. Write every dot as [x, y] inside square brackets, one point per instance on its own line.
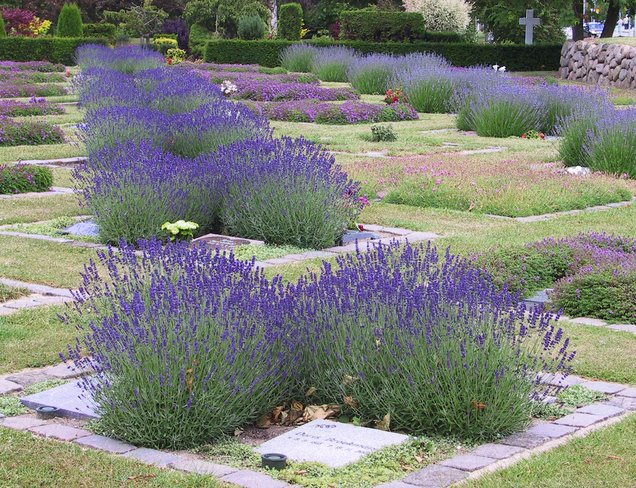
[54, 162]
[41, 295]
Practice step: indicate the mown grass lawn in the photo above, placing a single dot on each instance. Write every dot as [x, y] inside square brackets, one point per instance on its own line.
[28, 461]
[605, 458]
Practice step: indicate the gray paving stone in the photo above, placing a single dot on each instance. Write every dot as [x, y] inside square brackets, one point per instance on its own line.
[588, 321]
[347, 248]
[199, 466]
[22, 422]
[6, 311]
[29, 377]
[579, 420]
[623, 327]
[467, 462]
[60, 431]
[252, 479]
[395, 484]
[279, 261]
[35, 288]
[497, 451]
[105, 444]
[1, 415]
[152, 456]
[525, 440]
[628, 403]
[64, 371]
[69, 398]
[628, 392]
[7, 386]
[436, 476]
[560, 380]
[602, 410]
[421, 236]
[553, 431]
[604, 387]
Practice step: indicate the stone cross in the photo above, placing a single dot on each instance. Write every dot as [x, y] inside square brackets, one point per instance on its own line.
[530, 21]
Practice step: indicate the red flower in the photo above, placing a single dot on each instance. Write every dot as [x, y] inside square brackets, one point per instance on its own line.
[169, 60]
[360, 227]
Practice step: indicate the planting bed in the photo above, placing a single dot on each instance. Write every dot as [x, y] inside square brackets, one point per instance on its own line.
[306, 324]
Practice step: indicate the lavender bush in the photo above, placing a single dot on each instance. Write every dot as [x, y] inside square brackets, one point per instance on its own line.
[13, 133]
[298, 58]
[346, 113]
[127, 59]
[332, 63]
[35, 106]
[42, 66]
[430, 341]
[375, 73]
[187, 345]
[286, 191]
[187, 134]
[159, 186]
[610, 146]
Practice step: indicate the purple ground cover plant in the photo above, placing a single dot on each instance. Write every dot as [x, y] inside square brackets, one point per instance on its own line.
[14, 133]
[218, 77]
[593, 274]
[35, 106]
[42, 66]
[272, 92]
[22, 178]
[21, 88]
[160, 186]
[350, 112]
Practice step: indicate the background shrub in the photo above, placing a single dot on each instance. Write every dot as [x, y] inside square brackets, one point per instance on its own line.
[69, 22]
[3, 29]
[162, 44]
[251, 27]
[102, 29]
[441, 15]
[22, 178]
[538, 57]
[198, 38]
[381, 133]
[290, 21]
[53, 49]
[381, 26]
[610, 146]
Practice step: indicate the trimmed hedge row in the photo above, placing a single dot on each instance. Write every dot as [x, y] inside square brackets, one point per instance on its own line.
[53, 49]
[540, 57]
[386, 26]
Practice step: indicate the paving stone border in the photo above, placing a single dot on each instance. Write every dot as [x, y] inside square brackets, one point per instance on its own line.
[540, 437]
[554, 215]
[393, 234]
[41, 296]
[53, 162]
[602, 323]
[54, 191]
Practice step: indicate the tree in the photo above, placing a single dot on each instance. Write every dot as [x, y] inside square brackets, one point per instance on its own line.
[501, 18]
[139, 20]
[222, 16]
[69, 23]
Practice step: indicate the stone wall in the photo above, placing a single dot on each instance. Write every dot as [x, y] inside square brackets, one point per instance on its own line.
[604, 64]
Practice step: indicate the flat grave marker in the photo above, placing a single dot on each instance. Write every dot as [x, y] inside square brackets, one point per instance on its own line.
[332, 443]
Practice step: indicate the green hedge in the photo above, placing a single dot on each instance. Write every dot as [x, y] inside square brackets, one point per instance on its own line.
[384, 25]
[103, 29]
[53, 49]
[540, 57]
[290, 21]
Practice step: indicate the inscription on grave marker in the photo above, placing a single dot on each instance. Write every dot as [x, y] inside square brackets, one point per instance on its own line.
[332, 443]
